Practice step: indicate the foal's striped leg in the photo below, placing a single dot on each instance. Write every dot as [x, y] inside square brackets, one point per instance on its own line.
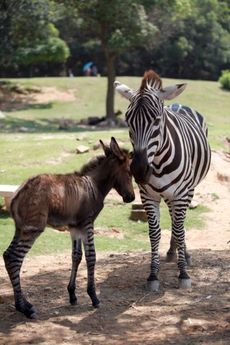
[76, 259]
[13, 258]
[90, 256]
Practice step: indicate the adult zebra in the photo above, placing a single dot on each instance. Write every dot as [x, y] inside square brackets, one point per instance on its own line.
[171, 156]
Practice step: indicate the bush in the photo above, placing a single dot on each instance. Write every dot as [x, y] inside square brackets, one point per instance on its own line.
[225, 79]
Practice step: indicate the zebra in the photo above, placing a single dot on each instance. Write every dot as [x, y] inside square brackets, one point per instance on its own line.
[66, 201]
[171, 155]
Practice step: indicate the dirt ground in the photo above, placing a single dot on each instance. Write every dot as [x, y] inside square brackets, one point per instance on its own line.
[129, 314]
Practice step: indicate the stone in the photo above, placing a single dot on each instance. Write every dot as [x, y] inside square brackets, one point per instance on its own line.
[82, 149]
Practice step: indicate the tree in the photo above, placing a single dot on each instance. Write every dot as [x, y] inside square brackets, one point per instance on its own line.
[27, 35]
[197, 45]
[119, 25]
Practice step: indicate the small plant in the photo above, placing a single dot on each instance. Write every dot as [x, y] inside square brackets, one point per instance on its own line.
[224, 79]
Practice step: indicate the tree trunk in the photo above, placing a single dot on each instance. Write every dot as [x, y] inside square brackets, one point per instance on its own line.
[110, 61]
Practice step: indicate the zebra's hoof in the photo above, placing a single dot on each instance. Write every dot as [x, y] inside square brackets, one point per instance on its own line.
[153, 285]
[185, 283]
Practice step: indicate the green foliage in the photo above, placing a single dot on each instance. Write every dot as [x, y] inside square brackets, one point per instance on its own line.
[119, 25]
[53, 49]
[224, 80]
[199, 44]
[178, 38]
[27, 35]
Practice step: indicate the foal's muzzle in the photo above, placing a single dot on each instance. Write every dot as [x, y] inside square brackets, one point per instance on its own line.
[140, 168]
[129, 197]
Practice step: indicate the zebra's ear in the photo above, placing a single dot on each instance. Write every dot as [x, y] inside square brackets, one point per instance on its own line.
[114, 147]
[123, 90]
[171, 92]
[105, 148]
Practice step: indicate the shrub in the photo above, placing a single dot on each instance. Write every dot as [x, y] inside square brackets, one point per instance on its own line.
[225, 79]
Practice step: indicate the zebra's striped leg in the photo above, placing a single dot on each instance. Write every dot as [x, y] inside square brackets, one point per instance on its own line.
[152, 209]
[178, 233]
[187, 256]
[76, 259]
[90, 256]
[171, 253]
[13, 257]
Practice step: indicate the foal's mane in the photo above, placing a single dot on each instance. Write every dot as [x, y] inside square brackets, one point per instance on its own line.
[150, 79]
[96, 161]
[92, 164]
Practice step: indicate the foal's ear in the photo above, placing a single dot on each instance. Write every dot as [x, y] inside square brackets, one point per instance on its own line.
[114, 147]
[105, 148]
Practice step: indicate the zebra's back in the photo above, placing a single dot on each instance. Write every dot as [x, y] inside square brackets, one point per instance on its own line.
[187, 112]
[193, 130]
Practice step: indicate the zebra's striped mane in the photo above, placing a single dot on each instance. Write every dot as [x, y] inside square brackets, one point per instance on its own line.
[151, 80]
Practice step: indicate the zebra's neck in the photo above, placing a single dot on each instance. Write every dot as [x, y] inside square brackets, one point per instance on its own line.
[163, 140]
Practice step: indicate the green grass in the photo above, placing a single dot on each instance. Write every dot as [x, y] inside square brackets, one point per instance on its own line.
[114, 216]
[205, 96]
[47, 149]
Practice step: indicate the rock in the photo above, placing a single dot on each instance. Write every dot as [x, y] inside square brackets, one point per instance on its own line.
[2, 116]
[221, 165]
[82, 149]
[138, 213]
[65, 124]
[193, 205]
[25, 129]
[94, 120]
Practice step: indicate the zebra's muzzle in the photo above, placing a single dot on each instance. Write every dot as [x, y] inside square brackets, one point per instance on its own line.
[140, 168]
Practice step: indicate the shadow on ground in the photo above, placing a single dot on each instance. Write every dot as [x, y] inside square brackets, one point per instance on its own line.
[13, 124]
[129, 313]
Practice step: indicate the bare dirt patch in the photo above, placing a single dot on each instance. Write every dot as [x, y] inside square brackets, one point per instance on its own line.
[129, 314]
[49, 94]
[15, 97]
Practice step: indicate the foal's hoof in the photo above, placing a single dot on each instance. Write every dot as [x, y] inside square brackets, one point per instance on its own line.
[96, 303]
[29, 311]
[33, 316]
[152, 285]
[73, 300]
[185, 283]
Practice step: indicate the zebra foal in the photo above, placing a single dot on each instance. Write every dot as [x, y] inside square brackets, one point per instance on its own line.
[171, 155]
[70, 200]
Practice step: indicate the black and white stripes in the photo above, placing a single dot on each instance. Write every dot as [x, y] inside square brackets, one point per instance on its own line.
[171, 156]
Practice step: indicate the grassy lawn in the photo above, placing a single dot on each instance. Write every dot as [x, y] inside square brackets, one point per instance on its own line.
[205, 96]
[48, 149]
